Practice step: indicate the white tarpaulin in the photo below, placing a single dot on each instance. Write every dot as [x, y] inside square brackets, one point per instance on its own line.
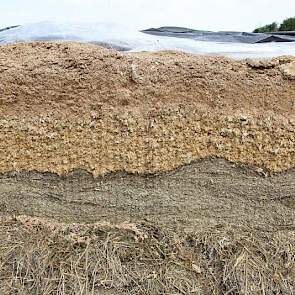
[122, 38]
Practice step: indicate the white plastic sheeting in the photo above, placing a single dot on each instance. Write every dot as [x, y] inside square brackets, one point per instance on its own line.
[120, 37]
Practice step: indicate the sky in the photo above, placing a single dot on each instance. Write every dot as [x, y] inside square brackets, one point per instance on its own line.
[233, 15]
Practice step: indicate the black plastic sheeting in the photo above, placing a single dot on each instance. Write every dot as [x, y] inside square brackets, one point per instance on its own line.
[223, 36]
[8, 28]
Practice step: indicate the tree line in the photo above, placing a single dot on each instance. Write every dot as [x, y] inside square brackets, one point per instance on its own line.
[287, 25]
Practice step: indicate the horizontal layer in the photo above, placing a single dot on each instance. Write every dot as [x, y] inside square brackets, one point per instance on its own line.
[41, 256]
[160, 141]
[206, 193]
[68, 106]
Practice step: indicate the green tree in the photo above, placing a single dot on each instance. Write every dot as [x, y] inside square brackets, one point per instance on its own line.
[273, 27]
[288, 24]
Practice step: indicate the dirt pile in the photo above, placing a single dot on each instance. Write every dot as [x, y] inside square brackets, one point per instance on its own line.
[145, 173]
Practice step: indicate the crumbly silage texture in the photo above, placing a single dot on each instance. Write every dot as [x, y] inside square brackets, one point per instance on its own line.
[68, 106]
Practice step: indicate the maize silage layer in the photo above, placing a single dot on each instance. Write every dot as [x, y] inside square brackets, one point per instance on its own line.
[145, 173]
[67, 106]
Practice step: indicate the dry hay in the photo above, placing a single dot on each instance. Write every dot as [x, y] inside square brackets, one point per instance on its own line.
[40, 257]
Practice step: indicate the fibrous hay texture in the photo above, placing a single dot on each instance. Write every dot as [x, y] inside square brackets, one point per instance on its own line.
[40, 257]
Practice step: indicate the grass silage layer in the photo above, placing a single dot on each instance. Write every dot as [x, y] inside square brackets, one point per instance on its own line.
[41, 257]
